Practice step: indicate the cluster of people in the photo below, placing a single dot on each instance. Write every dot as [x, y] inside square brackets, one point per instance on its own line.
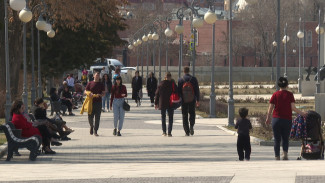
[51, 130]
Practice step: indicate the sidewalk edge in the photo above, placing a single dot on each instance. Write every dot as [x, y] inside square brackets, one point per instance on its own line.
[254, 140]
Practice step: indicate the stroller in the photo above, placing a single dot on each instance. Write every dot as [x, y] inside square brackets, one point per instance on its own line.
[309, 130]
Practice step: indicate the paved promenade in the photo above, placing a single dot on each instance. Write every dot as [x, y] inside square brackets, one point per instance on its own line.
[143, 155]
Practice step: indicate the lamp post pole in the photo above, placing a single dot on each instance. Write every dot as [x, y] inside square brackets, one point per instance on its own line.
[278, 58]
[299, 47]
[39, 87]
[153, 58]
[318, 66]
[231, 108]
[159, 55]
[24, 95]
[285, 51]
[8, 89]
[147, 57]
[180, 50]
[32, 90]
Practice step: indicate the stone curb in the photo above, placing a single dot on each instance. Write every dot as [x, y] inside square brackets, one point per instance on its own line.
[3, 149]
[259, 141]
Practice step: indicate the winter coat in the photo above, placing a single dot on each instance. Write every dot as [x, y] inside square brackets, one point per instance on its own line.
[136, 86]
[163, 93]
[151, 86]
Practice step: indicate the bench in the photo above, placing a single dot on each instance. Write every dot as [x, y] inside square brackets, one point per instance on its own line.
[32, 143]
[56, 106]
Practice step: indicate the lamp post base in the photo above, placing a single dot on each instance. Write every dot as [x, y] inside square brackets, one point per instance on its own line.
[299, 85]
[212, 105]
[317, 87]
[231, 112]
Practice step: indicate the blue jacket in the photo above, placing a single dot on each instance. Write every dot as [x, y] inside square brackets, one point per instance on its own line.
[193, 80]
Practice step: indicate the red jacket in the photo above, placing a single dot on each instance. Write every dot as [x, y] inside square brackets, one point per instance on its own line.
[21, 122]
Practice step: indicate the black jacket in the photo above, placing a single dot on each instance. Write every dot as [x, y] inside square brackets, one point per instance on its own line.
[136, 86]
[151, 86]
[193, 80]
[243, 126]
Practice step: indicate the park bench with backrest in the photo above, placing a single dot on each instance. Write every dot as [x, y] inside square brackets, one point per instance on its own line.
[32, 143]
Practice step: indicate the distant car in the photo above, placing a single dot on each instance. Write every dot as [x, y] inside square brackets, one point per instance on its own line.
[129, 68]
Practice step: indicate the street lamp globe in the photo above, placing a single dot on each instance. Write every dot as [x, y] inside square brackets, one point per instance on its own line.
[286, 39]
[129, 14]
[300, 34]
[139, 42]
[47, 27]
[25, 15]
[155, 36]
[135, 43]
[319, 30]
[130, 47]
[179, 29]
[17, 5]
[168, 32]
[51, 33]
[210, 17]
[294, 51]
[275, 43]
[40, 24]
[145, 38]
[197, 22]
[150, 36]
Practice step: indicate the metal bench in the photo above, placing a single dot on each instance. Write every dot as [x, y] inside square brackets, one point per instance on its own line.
[32, 143]
[56, 106]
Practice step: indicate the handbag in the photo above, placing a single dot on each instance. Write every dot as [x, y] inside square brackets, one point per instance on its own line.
[174, 100]
[126, 106]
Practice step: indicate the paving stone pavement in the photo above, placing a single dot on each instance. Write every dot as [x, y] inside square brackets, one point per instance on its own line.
[143, 155]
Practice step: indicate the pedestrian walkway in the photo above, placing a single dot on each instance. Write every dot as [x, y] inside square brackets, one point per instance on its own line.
[143, 155]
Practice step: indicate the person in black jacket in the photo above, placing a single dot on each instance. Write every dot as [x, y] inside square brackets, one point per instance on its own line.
[151, 87]
[189, 99]
[66, 99]
[243, 142]
[136, 88]
[108, 86]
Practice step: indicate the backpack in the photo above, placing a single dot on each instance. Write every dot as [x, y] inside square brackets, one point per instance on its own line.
[188, 92]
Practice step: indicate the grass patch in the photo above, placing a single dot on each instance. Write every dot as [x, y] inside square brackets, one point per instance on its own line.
[2, 138]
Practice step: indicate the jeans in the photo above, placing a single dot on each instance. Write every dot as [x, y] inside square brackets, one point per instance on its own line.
[170, 122]
[106, 98]
[119, 112]
[243, 144]
[96, 112]
[188, 108]
[281, 130]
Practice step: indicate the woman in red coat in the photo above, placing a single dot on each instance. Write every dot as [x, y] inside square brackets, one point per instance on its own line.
[20, 122]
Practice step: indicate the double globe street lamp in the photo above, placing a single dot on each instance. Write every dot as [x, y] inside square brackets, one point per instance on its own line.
[319, 30]
[300, 36]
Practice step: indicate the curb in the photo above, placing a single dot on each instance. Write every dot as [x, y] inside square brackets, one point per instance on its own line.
[253, 139]
[259, 141]
[3, 149]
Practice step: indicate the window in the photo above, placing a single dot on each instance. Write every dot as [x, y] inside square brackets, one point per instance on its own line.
[309, 39]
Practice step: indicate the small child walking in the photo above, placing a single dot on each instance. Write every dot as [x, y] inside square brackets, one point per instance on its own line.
[243, 142]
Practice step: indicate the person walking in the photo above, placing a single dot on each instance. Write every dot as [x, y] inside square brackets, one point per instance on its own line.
[188, 89]
[151, 87]
[136, 88]
[162, 97]
[96, 90]
[243, 141]
[70, 82]
[117, 73]
[117, 100]
[108, 87]
[282, 103]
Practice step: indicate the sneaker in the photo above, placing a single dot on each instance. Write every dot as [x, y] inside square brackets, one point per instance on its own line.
[169, 135]
[65, 138]
[96, 134]
[191, 130]
[277, 157]
[247, 159]
[152, 105]
[114, 132]
[54, 143]
[119, 133]
[107, 110]
[164, 134]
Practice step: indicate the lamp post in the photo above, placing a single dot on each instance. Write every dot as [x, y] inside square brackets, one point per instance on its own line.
[25, 15]
[40, 24]
[150, 38]
[168, 33]
[300, 36]
[285, 40]
[179, 29]
[319, 30]
[278, 58]
[231, 102]
[274, 45]
[210, 17]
